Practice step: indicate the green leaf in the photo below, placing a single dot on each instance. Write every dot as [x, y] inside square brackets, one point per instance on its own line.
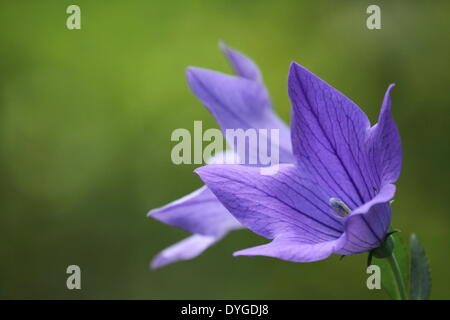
[388, 282]
[420, 271]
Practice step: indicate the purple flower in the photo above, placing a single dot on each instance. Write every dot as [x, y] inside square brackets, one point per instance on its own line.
[237, 102]
[335, 197]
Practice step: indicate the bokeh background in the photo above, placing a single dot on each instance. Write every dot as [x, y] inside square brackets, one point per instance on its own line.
[86, 118]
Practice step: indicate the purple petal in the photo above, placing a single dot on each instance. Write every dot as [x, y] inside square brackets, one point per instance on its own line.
[367, 225]
[186, 249]
[296, 250]
[238, 103]
[284, 204]
[199, 212]
[329, 135]
[241, 64]
[385, 150]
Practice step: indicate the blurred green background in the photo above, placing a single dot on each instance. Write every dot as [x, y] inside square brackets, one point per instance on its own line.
[86, 118]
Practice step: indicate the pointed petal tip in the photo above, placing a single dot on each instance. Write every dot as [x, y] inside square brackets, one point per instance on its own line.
[293, 67]
[296, 76]
[160, 261]
[294, 64]
[241, 253]
[204, 169]
[297, 72]
[205, 172]
[389, 89]
[195, 76]
[223, 45]
[191, 69]
[203, 74]
[198, 170]
[227, 50]
[189, 73]
[386, 106]
[157, 263]
[298, 67]
[154, 212]
[241, 64]
[210, 172]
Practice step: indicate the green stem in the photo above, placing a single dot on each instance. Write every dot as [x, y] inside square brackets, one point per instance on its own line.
[398, 276]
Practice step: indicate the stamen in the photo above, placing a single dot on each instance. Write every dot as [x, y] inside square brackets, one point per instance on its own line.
[339, 206]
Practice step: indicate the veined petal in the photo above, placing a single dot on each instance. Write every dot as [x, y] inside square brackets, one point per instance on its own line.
[286, 203]
[385, 149]
[198, 212]
[367, 225]
[295, 250]
[238, 103]
[186, 249]
[241, 64]
[329, 132]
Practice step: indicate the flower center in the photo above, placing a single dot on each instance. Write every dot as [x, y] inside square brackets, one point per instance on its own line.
[339, 206]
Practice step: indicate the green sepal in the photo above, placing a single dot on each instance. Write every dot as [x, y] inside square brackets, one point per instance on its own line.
[420, 280]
